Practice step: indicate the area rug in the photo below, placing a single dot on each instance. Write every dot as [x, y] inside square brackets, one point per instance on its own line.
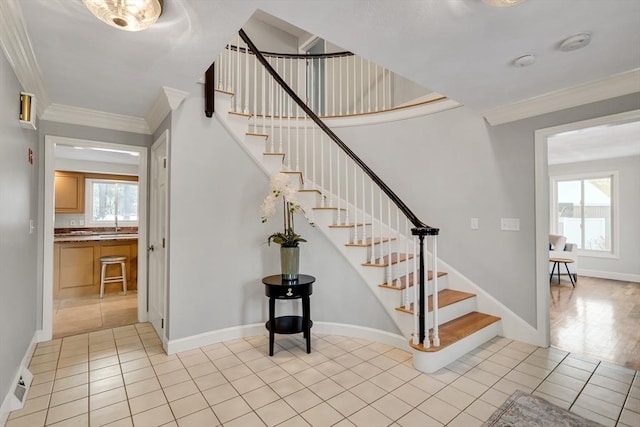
[523, 409]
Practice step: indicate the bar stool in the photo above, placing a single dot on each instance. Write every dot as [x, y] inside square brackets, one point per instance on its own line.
[110, 260]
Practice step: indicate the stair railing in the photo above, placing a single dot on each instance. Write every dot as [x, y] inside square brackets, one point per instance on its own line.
[380, 219]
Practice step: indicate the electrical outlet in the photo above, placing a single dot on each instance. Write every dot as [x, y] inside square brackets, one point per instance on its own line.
[81, 222]
[474, 224]
[510, 224]
[72, 222]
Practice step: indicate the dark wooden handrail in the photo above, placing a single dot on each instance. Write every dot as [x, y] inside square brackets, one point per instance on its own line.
[420, 227]
[294, 55]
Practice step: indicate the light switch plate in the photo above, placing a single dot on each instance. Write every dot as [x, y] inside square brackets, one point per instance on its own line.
[474, 224]
[510, 224]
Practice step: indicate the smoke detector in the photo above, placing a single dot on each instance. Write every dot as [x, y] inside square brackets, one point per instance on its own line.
[574, 42]
[524, 61]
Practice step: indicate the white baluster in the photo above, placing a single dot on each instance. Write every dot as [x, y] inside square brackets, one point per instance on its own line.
[355, 86]
[322, 165]
[228, 76]
[384, 90]
[333, 86]
[397, 279]
[255, 93]
[390, 276]
[272, 111]
[362, 87]
[373, 218]
[237, 85]
[369, 87]
[330, 176]
[355, 202]
[306, 149]
[377, 106]
[434, 254]
[346, 190]
[246, 80]
[264, 100]
[280, 119]
[416, 304]
[339, 192]
[340, 64]
[381, 236]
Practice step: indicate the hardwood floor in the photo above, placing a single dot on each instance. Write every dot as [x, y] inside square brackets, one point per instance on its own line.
[599, 318]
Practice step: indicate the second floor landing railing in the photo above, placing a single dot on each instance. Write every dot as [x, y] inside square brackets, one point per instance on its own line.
[394, 235]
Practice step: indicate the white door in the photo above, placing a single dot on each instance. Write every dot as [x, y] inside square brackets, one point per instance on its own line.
[157, 248]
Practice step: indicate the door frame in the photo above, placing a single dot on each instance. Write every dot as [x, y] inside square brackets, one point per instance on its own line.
[542, 213]
[164, 137]
[50, 142]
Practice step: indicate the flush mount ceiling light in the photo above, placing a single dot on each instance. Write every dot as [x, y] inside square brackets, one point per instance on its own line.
[524, 61]
[128, 15]
[574, 42]
[502, 3]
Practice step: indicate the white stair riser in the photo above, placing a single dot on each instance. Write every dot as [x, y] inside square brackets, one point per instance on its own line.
[310, 198]
[430, 362]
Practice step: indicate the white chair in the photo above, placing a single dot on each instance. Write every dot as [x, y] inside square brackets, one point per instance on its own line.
[559, 248]
[111, 260]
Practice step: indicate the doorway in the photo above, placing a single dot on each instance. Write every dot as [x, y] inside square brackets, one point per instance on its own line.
[544, 215]
[88, 230]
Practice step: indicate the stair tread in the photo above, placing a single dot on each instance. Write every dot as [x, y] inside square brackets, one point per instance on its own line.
[445, 297]
[352, 225]
[238, 113]
[457, 329]
[225, 91]
[274, 154]
[328, 208]
[384, 261]
[264, 135]
[403, 281]
[369, 242]
[309, 190]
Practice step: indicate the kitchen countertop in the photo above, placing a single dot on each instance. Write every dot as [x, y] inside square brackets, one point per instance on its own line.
[63, 238]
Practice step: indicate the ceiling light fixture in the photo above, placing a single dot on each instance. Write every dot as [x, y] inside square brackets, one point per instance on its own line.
[502, 3]
[574, 42]
[128, 15]
[524, 61]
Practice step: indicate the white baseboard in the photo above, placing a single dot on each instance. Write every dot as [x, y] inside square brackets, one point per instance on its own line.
[6, 407]
[624, 277]
[326, 328]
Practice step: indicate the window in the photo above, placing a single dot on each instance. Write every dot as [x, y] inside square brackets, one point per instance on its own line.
[106, 197]
[583, 211]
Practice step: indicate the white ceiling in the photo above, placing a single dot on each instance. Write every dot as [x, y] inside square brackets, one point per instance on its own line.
[101, 155]
[459, 48]
[594, 143]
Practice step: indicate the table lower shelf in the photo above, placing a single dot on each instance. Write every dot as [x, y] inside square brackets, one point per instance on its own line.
[288, 324]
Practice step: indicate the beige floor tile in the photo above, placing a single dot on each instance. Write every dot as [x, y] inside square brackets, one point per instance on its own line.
[180, 390]
[124, 422]
[142, 387]
[455, 397]
[135, 364]
[411, 394]
[133, 355]
[109, 414]
[391, 406]
[69, 394]
[417, 418]
[593, 416]
[366, 370]
[558, 402]
[286, 386]
[480, 410]
[260, 397]
[494, 397]
[558, 391]
[439, 410]
[208, 381]
[103, 362]
[43, 377]
[188, 405]
[248, 420]
[346, 403]
[219, 394]
[296, 421]
[236, 372]
[35, 419]
[370, 417]
[202, 418]
[174, 377]
[72, 370]
[201, 369]
[302, 400]
[154, 417]
[72, 381]
[102, 373]
[598, 406]
[275, 413]
[38, 390]
[77, 421]
[106, 384]
[386, 381]
[107, 398]
[276, 373]
[138, 375]
[247, 383]
[68, 410]
[35, 404]
[465, 420]
[608, 383]
[470, 386]
[322, 415]
[147, 401]
[368, 391]
[230, 409]
[170, 366]
[427, 383]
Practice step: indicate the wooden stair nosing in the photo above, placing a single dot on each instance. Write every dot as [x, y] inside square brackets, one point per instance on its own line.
[237, 113]
[310, 190]
[294, 173]
[457, 329]
[369, 242]
[349, 225]
[264, 135]
[445, 297]
[385, 261]
[403, 280]
[320, 208]
[225, 91]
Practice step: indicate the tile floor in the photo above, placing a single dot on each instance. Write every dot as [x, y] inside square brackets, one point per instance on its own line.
[121, 377]
[599, 318]
[72, 316]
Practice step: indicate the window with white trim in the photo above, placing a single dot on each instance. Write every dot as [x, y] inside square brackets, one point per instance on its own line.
[111, 203]
[583, 209]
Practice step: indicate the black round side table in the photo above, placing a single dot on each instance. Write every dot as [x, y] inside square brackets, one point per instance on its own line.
[277, 288]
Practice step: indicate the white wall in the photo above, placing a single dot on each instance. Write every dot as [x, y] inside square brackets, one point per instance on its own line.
[628, 261]
[18, 204]
[217, 241]
[268, 38]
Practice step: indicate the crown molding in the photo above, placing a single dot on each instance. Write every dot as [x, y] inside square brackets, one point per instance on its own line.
[94, 118]
[610, 87]
[18, 50]
[168, 100]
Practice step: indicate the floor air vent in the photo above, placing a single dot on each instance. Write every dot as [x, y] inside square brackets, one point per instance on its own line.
[21, 390]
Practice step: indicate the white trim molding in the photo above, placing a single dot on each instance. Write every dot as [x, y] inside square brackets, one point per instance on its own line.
[168, 100]
[610, 87]
[17, 47]
[258, 329]
[8, 402]
[95, 118]
[611, 275]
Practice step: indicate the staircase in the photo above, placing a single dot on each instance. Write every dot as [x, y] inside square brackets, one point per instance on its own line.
[358, 219]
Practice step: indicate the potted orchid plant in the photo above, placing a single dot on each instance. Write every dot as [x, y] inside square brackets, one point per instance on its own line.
[281, 187]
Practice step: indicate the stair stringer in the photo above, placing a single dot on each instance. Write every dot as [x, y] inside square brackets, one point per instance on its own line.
[238, 127]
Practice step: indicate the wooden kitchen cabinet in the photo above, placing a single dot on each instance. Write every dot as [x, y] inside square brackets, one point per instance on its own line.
[77, 267]
[69, 192]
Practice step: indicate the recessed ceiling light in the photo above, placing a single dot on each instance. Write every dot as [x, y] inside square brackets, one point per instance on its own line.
[574, 42]
[502, 3]
[524, 61]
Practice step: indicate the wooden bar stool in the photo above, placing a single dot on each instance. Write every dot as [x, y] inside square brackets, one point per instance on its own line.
[110, 260]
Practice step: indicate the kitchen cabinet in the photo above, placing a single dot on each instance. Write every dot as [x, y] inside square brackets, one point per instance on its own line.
[77, 266]
[69, 196]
